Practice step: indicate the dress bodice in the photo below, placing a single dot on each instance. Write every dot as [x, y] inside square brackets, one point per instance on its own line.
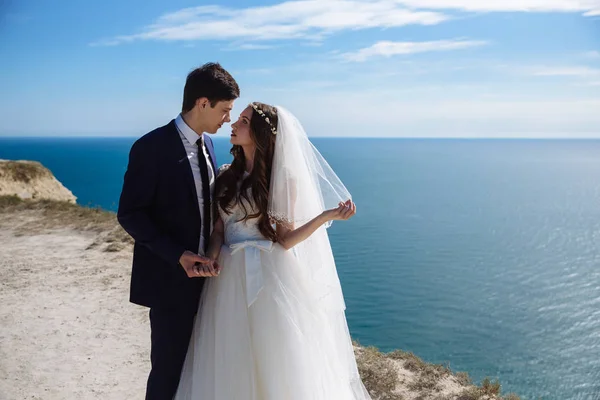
[237, 230]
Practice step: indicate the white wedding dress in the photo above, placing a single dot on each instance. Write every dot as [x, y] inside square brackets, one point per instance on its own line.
[261, 332]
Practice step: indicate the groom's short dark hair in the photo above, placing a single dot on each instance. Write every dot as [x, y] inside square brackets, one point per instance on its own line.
[211, 81]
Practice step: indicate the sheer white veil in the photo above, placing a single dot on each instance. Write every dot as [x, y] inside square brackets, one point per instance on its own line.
[303, 185]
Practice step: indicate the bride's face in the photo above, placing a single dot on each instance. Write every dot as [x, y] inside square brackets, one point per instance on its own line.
[240, 129]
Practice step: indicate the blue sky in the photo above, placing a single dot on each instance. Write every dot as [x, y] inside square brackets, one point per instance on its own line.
[410, 68]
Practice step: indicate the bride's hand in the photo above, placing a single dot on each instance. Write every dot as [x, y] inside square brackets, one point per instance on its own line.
[343, 212]
[210, 269]
[216, 267]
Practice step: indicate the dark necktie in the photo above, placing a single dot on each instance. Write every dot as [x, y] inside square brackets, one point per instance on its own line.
[205, 192]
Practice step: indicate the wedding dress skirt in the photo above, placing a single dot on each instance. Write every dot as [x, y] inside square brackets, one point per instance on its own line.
[260, 333]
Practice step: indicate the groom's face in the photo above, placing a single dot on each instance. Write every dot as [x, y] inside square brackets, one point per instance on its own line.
[215, 117]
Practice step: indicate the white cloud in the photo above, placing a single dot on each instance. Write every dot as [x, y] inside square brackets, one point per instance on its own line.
[576, 71]
[588, 7]
[287, 20]
[316, 18]
[388, 49]
[110, 42]
[250, 46]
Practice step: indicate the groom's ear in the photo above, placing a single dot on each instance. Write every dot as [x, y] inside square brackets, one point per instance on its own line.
[202, 102]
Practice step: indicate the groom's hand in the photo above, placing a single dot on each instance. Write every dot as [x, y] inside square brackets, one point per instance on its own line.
[188, 261]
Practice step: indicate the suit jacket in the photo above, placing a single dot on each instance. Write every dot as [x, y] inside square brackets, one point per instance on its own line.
[159, 208]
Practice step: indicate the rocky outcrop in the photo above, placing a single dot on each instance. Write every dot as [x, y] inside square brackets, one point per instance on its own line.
[31, 180]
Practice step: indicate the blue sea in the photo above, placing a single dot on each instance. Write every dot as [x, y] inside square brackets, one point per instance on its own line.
[481, 253]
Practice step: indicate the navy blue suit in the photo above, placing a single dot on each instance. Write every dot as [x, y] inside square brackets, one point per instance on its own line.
[159, 208]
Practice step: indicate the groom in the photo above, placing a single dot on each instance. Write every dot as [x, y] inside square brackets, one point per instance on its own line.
[165, 206]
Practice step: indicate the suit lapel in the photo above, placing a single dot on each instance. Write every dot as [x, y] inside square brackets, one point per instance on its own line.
[182, 163]
[211, 152]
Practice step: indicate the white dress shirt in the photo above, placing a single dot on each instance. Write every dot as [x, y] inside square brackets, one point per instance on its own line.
[189, 138]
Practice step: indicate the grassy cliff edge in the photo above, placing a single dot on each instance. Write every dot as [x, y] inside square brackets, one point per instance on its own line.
[397, 375]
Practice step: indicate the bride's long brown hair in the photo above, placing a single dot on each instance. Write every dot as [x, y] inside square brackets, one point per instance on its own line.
[259, 181]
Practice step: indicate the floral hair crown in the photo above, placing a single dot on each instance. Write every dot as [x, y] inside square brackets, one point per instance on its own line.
[262, 114]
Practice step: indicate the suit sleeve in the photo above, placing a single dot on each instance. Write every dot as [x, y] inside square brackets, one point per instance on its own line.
[139, 186]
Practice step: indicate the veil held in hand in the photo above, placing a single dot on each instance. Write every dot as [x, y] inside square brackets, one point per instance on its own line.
[303, 185]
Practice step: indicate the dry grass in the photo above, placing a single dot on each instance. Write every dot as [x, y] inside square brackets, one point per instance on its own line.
[6, 202]
[51, 214]
[61, 213]
[417, 365]
[20, 171]
[470, 393]
[425, 385]
[487, 390]
[463, 378]
[428, 375]
[490, 388]
[378, 374]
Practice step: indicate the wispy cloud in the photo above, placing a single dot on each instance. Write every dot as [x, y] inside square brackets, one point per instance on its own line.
[575, 71]
[111, 42]
[581, 75]
[249, 46]
[313, 19]
[587, 84]
[388, 49]
[587, 7]
[287, 20]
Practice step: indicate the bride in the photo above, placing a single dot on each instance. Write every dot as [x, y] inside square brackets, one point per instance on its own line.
[271, 325]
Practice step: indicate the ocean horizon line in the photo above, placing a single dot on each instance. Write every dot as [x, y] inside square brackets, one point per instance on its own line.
[222, 138]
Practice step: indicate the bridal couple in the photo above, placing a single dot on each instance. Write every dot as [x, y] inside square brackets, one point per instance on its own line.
[234, 262]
